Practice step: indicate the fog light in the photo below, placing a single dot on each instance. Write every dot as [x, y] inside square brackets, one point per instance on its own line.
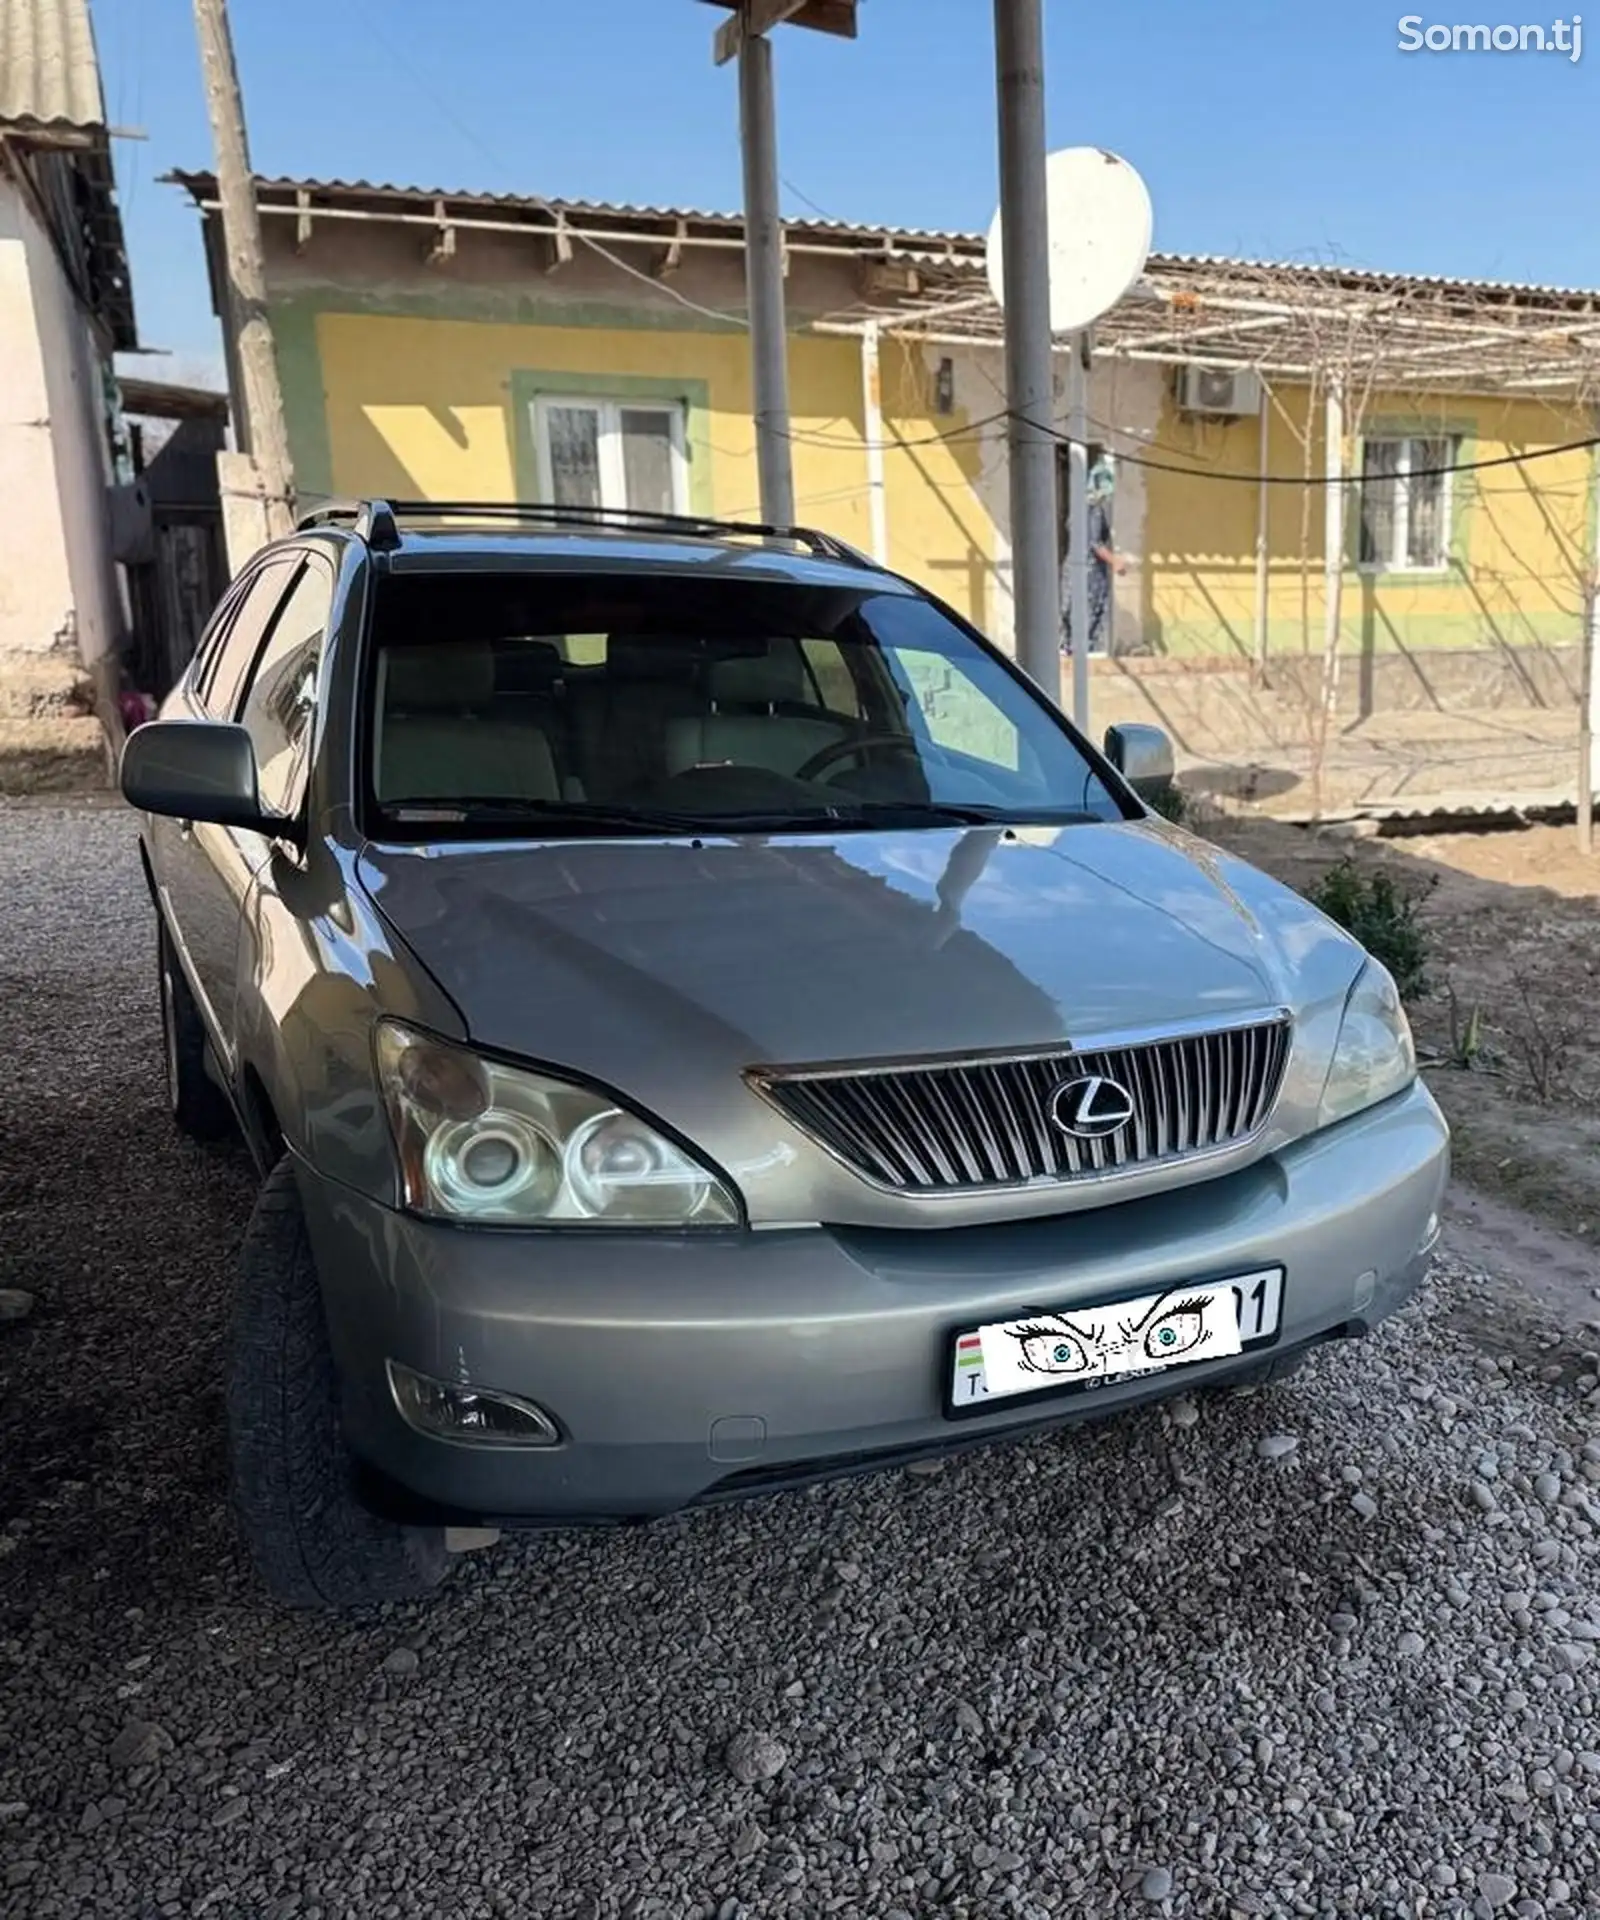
[477, 1415]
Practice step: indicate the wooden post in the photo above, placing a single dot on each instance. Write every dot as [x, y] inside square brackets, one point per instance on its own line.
[1263, 576]
[260, 426]
[1333, 582]
[1586, 678]
[872, 421]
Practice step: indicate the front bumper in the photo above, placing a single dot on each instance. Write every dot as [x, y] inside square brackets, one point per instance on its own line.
[682, 1369]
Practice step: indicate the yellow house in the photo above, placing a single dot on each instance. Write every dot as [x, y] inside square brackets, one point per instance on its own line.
[466, 346]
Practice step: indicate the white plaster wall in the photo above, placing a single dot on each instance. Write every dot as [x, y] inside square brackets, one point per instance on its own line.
[36, 605]
[57, 580]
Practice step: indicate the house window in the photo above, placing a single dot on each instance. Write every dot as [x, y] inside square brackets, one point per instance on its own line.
[1405, 503]
[612, 453]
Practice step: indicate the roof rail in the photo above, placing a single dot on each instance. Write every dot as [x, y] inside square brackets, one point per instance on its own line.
[377, 522]
[370, 520]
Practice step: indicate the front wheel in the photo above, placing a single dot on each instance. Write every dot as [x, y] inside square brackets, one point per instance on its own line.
[312, 1541]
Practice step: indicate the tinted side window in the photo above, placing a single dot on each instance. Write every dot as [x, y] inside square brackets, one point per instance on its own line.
[283, 691]
[831, 677]
[203, 666]
[223, 676]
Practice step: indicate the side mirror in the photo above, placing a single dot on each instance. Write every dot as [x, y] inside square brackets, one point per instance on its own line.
[195, 770]
[1143, 756]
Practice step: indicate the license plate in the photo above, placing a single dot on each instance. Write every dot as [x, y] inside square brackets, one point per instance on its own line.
[1087, 1347]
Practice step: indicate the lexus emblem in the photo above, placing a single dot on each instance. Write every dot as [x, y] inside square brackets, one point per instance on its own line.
[1091, 1108]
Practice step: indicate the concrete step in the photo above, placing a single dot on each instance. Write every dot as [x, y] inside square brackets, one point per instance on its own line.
[52, 754]
[40, 685]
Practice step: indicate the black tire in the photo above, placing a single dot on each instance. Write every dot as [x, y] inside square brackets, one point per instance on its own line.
[198, 1105]
[313, 1544]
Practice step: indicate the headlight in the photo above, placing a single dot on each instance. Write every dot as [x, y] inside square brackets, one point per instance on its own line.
[1374, 1056]
[507, 1146]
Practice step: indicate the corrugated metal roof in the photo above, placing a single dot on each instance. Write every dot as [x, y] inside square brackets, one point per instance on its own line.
[203, 185]
[966, 246]
[1337, 270]
[166, 400]
[49, 76]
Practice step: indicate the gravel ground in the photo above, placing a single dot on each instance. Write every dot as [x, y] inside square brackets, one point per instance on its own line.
[1331, 1649]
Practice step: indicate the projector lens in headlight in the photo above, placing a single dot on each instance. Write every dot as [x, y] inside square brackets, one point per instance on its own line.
[482, 1141]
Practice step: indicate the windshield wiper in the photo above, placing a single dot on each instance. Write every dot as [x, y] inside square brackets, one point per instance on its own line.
[941, 813]
[577, 816]
[927, 813]
[437, 809]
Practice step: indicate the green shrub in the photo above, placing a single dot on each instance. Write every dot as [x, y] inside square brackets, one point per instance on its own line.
[1169, 801]
[1382, 915]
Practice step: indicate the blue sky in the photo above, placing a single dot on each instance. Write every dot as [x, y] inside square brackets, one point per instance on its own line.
[1277, 128]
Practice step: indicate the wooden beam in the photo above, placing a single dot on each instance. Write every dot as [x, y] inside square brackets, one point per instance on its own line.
[443, 249]
[560, 244]
[673, 258]
[302, 220]
[885, 277]
[761, 16]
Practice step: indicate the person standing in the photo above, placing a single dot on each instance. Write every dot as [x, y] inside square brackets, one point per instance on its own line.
[1103, 559]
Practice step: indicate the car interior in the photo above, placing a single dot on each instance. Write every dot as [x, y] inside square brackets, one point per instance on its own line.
[656, 717]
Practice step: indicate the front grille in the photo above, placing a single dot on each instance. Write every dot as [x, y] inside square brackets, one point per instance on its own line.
[987, 1123]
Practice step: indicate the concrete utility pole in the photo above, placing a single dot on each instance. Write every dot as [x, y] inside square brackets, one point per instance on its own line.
[769, 338]
[1024, 212]
[1078, 556]
[261, 432]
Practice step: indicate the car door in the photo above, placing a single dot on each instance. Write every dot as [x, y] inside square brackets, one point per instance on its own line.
[203, 871]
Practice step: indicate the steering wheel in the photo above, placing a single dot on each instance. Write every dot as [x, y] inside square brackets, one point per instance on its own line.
[855, 748]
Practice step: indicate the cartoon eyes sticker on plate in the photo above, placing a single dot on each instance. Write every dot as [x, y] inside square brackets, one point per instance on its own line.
[1178, 1330]
[1052, 1350]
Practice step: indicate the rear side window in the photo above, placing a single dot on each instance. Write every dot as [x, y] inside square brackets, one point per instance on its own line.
[278, 708]
[224, 674]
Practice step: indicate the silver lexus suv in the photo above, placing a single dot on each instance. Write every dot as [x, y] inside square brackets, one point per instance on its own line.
[706, 1022]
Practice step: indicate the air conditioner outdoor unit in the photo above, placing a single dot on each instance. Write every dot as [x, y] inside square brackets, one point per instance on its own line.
[1230, 392]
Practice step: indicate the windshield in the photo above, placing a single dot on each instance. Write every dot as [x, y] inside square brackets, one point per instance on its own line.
[569, 704]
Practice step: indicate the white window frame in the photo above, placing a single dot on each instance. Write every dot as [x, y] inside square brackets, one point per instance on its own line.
[1401, 526]
[613, 473]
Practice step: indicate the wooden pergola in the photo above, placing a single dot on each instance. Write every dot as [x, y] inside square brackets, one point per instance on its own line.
[1288, 320]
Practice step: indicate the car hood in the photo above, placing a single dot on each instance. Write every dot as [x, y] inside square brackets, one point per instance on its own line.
[665, 969]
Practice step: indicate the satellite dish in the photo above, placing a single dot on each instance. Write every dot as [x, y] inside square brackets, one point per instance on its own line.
[1100, 229]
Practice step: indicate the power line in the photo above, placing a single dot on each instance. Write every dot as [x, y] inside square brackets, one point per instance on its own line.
[1343, 479]
[470, 133]
[822, 213]
[974, 428]
[849, 443]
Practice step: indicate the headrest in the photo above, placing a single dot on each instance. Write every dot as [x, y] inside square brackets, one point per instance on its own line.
[527, 666]
[652, 656]
[761, 680]
[435, 679]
